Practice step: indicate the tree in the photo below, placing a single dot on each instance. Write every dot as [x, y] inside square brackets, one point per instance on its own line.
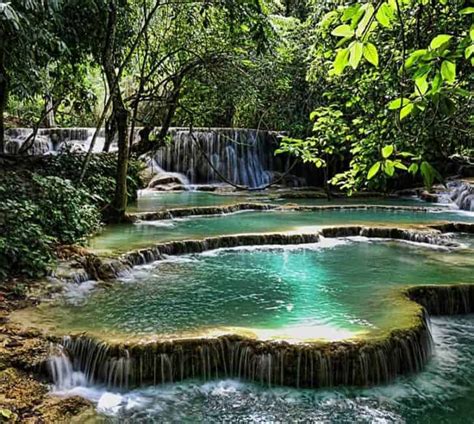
[27, 43]
[400, 72]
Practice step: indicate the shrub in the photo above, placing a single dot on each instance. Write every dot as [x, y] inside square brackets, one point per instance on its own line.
[36, 214]
[100, 176]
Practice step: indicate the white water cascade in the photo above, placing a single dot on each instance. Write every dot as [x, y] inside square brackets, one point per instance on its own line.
[54, 140]
[461, 193]
[242, 156]
[62, 372]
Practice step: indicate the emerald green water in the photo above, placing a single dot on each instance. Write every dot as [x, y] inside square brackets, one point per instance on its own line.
[331, 291]
[150, 201]
[120, 238]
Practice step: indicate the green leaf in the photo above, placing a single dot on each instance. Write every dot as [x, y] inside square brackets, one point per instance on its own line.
[471, 32]
[439, 40]
[362, 27]
[406, 110]
[384, 15]
[415, 57]
[371, 54]
[448, 71]
[350, 12]
[469, 51]
[422, 85]
[389, 169]
[373, 170]
[343, 31]
[400, 165]
[413, 169]
[428, 173]
[467, 11]
[387, 151]
[437, 82]
[341, 61]
[397, 103]
[355, 54]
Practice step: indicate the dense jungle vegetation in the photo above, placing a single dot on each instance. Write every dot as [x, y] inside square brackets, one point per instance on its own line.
[371, 92]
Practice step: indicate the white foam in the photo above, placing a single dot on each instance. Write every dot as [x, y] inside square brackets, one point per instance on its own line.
[166, 223]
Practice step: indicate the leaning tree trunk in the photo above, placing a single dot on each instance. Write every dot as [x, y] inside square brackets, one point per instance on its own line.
[3, 96]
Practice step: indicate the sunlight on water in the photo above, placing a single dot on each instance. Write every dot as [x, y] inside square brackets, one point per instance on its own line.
[328, 290]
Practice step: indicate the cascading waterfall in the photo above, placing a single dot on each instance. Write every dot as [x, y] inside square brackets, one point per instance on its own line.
[62, 371]
[271, 363]
[461, 193]
[54, 140]
[242, 156]
[84, 361]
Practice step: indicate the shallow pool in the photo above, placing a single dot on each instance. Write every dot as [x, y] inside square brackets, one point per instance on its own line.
[336, 289]
[121, 238]
[149, 201]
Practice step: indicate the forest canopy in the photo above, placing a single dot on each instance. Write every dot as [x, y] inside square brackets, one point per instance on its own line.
[367, 91]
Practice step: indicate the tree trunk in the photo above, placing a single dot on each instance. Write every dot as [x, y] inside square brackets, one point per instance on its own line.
[50, 121]
[3, 96]
[120, 115]
[146, 145]
[110, 131]
[119, 204]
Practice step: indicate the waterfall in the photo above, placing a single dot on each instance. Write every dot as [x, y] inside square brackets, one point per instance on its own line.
[54, 140]
[461, 193]
[62, 372]
[243, 156]
[125, 366]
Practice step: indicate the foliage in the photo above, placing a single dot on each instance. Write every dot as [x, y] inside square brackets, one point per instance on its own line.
[400, 73]
[36, 214]
[99, 181]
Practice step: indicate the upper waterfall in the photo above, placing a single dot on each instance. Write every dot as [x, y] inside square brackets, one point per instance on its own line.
[243, 157]
[240, 156]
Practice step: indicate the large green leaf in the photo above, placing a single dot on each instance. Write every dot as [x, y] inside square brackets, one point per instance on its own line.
[398, 103]
[362, 28]
[341, 61]
[448, 71]
[422, 85]
[373, 170]
[385, 15]
[467, 11]
[415, 57]
[387, 151]
[371, 54]
[389, 168]
[406, 110]
[439, 40]
[343, 31]
[356, 51]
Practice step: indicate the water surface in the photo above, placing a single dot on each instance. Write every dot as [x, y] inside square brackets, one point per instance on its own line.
[331, 290]
[122, 238]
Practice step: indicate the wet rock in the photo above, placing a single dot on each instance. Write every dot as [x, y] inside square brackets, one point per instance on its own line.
[19, 392]
[429, 197]
[71, 409]
[166, 181]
